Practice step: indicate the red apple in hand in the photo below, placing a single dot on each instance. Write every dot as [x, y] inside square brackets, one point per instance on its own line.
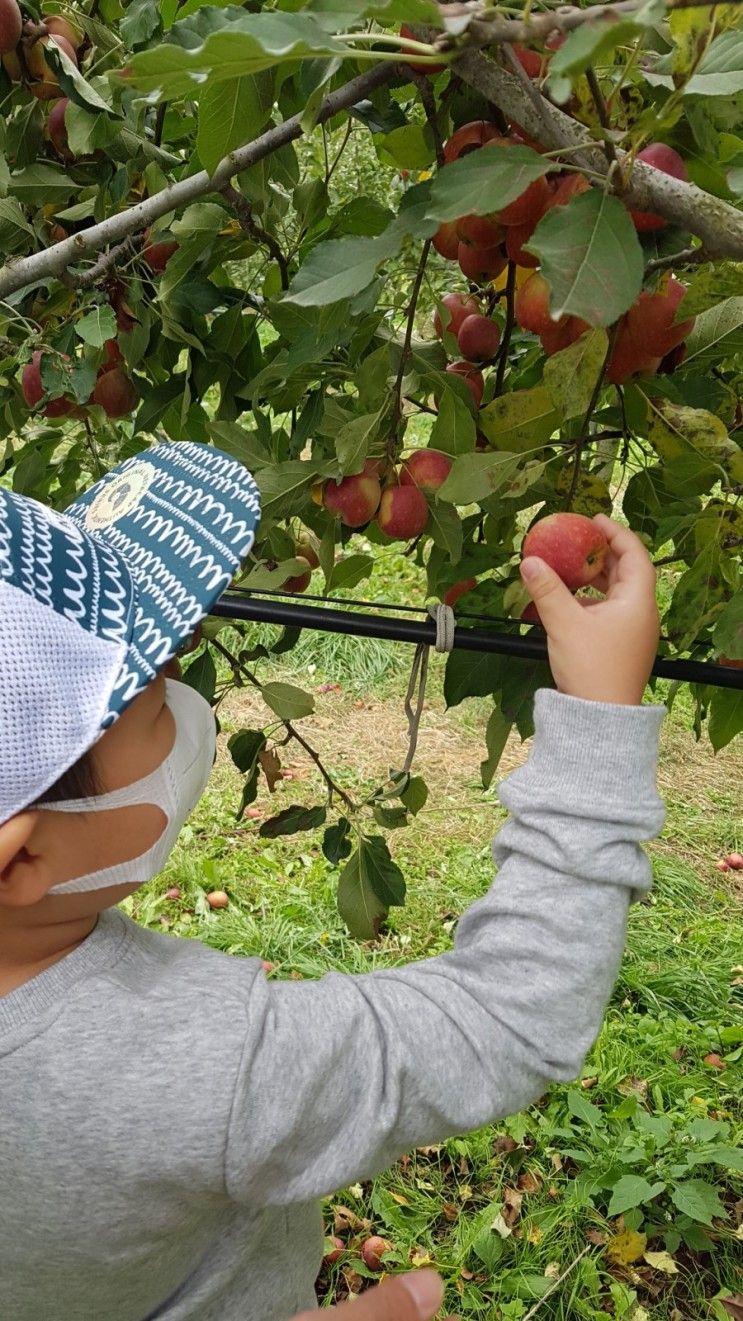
[426, 469]
[571, 544]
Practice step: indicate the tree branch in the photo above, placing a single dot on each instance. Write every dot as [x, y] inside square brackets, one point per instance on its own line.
[508, 328]
[16, 274]
[405, 350]
[716, 223]
[244, 212]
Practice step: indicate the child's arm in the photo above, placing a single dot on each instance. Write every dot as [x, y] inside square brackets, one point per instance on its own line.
[341, 1076]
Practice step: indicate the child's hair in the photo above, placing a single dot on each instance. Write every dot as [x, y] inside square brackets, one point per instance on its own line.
[78, 781]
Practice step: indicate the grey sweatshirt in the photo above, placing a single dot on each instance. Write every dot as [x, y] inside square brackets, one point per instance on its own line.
[169, 1118]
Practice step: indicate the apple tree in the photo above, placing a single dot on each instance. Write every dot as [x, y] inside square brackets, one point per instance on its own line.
[559, 188]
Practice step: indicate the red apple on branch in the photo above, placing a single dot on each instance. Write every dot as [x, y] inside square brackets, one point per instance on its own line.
[470, 137]
[403, 512]
[427, 469]
[479, 338]
[457, 307]
[668, 161]
[354, 499]
[473, 377]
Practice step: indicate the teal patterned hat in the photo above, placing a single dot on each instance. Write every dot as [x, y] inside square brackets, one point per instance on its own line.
[95, 601]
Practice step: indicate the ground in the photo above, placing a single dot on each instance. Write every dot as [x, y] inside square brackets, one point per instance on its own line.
[505, 1213]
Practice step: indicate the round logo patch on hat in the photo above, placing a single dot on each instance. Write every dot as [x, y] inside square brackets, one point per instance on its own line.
[119, 497]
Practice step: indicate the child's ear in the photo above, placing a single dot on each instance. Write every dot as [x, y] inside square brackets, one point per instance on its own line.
[24, 876]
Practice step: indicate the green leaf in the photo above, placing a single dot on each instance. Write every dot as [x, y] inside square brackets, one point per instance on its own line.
[475, 477]
[699, 1200]
[728, 634]
[696, 599]
[591, 258]
[471, 674]
[38, 184]
[445, 527]
[336, 844]
[454, 431]
[349, 572]
[720, 70]
[521, 421]
[631, 1191]
[284, 487]
[369, 885]
[244, 748]
[245, 45]
[232, 113]
[711, 285]
[415, 794]
[409, 148]
[353, 440]
[725, 716]
[286, 701]
[496, 736]
[485, 181]
[97, 326]
[390, 818]
[678, 432]
[291, 820]
[570, 376]
[341, 268]
[585, 1110]
[593, 42]
[201, 674]
[717, 334]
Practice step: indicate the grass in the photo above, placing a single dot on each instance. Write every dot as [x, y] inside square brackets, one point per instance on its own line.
[542, 1178]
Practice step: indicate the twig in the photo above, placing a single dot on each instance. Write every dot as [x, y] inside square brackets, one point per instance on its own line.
[603, 116]
[428, 101]
[17, 273]
[341, 149]
[556, 1284]
[580, 444]
[687, 257]
[244, 212]
[405, 350]
[508, 328]
[159, 123]
[241, 671]
[103, 265]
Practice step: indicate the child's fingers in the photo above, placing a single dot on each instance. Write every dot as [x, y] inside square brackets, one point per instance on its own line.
[414, 1297]
[629, 560]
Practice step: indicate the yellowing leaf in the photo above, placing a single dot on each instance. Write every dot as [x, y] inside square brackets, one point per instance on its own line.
[661, 1261]
[500, 1226]
[398, 1197]
[521, 421]
[626, 1247]
[570, 375]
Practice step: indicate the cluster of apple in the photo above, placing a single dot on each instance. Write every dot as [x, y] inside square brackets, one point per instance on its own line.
[396, 498]
[24, 48]
[647, 340]
[371, 1251]
[731, 862]
[114, 390]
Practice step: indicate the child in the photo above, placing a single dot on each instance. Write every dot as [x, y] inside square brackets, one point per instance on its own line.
[170, 1117]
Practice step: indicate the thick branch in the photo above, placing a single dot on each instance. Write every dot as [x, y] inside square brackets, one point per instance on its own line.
[55, 259]
[716, 223]
[563, 18]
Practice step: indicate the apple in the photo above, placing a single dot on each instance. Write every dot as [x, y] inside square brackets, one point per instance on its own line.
[459, 589]
[115, 392]
[670, 361]
[157, 255]
[218, 899]
[46, 88]
[722, 865]
[446, 240]
[173, 892]
[458, 307]
[427, 469]
[301, 581]
[530, 615]
[473, 377]
[335, 1251]
[419, 65]
[11, 26]
[377, 467]
[267, 965]
[728, 660]
[306, 546]
[562, 334]
[531, 61]
[56, 129]
[33, 390]
[571, 544]
[355, 499]
[668, 161]
[480, 231]
[61, 27]
[628, 359]
[470, 137]
[570, 186]
[481, 264]
[479, 338]
[532, 305]
[529, 205]
[403, 512]
[516, 237]
[12, 66]
[735, 860]
[113, 356]
[650, 321]
[372, 1251]
[713, 1061]
[125, 318]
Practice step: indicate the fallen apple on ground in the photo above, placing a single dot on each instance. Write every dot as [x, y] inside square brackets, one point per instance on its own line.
[571, 544]
[372, 1251]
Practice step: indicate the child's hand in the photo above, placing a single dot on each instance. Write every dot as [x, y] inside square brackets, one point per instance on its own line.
[414, 1297]
[601, 651]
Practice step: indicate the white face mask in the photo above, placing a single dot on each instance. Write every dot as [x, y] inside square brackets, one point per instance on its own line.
[175, 787]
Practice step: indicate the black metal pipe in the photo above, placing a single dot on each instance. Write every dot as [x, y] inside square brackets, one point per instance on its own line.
[294, 615]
